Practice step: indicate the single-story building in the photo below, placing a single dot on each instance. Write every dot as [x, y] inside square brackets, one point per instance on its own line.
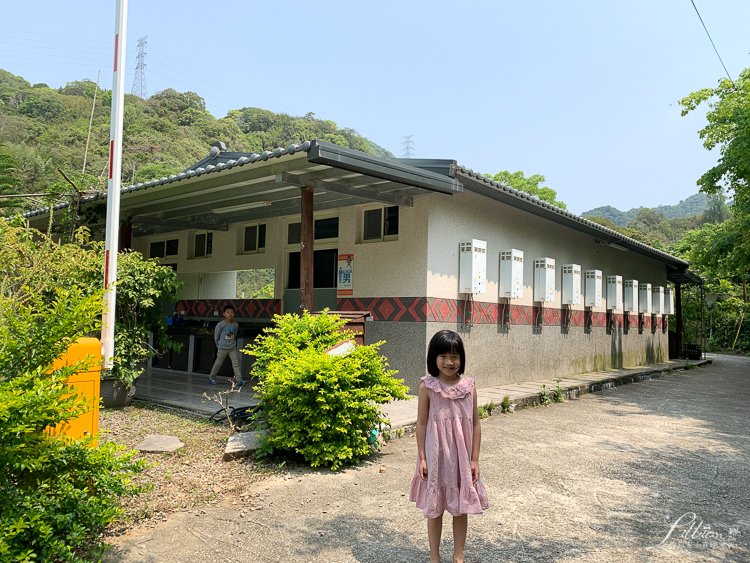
[394, 237]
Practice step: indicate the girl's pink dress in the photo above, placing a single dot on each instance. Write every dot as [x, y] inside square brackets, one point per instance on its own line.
[448, 452]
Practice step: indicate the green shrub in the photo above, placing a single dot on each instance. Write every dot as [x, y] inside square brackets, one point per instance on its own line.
[505, 404]
[318, 405]
[544, 396]
[56, 494]
[558, 393]
[33, 265]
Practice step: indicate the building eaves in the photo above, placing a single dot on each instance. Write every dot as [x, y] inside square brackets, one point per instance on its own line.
[189, 173]
[563, 216]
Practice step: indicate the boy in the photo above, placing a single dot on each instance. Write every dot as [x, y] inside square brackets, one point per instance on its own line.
[225, 336]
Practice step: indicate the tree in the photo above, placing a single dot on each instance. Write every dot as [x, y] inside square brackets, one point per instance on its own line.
[530, 185]
[728, 129]
[718, 211]
[8, 182]
[719, 251]
[46, 129]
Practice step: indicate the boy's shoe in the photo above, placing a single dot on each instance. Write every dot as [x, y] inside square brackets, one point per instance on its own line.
[211, 381]
[239, 383]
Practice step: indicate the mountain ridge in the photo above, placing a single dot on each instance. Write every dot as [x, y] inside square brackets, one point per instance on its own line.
[693, 205]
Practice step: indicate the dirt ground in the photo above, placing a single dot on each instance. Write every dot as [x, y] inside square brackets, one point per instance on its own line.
[655, 471]
[191, 477]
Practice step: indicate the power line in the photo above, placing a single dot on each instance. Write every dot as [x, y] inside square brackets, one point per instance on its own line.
[26, 33]
[215, 79]
[50, 57]
[712, 41]
[42, 45]
[139, 82]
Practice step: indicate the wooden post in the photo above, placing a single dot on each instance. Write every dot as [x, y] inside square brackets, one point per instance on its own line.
[306, 251]
[678, 318]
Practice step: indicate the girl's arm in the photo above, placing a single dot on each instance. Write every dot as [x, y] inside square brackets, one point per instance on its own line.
[476, 442]
[422, 412]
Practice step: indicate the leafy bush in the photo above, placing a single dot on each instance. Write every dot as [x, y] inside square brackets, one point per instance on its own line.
[315, 404]
[505, 404]
[142, 285]
[56, 494]
[33, 264]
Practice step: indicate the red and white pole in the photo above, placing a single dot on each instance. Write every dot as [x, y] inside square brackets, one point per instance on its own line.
[112, 233]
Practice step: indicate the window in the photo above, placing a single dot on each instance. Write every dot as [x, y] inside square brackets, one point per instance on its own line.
[255, 238]
[325, 265]
[380, 223]
[204, 243]
[326, 228]
[163, 248]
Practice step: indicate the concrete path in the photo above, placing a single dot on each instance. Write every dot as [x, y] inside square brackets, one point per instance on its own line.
[403, 414]
[186, 390]
[649, 472]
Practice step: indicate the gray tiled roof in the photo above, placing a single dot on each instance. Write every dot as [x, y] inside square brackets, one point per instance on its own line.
[189, 173]
[568, 215]
[305, 147]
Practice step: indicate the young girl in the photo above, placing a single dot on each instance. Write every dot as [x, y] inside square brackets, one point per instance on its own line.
[448, 438]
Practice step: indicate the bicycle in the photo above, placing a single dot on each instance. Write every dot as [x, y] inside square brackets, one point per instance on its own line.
[239, 414]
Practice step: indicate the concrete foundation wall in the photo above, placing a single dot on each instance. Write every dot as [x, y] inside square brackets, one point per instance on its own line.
[405, 348]
[498, 356]
[495, 356]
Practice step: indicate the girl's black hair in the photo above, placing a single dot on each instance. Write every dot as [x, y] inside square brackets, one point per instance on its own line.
[445, 342]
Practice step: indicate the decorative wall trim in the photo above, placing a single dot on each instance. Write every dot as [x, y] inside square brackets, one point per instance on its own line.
[244, 308]
[436, 309]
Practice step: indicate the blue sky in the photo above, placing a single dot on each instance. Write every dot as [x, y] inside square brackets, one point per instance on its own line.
[584, 93]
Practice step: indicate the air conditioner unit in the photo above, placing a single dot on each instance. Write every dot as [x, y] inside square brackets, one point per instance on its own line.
[631, 296]
[644, 298]
[544, 280]
[657, 302]
[614, 293]
[669, 301]
[593, 288]
[571, 284]
[472, 271]
[511, 274]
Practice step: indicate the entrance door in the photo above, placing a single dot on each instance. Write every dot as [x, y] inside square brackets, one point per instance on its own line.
[325, 264]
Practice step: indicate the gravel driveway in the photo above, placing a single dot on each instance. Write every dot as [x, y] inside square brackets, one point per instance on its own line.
[655, 471]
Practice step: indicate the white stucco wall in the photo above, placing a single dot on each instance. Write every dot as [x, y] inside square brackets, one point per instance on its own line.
[467, 215]
[424, 259]
[391, 268]
[226, 256]
[381, 269]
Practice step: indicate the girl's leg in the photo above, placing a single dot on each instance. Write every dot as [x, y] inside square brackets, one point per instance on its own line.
[434, 531]
[460, 523]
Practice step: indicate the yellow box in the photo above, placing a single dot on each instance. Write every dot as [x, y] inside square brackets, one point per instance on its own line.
[86, 382]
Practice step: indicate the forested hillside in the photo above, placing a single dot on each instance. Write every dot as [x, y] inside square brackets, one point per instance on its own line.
[44, 129]
[655, 228]
[693, 205]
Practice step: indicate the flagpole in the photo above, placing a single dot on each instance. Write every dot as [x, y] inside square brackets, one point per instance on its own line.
[112, 233]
